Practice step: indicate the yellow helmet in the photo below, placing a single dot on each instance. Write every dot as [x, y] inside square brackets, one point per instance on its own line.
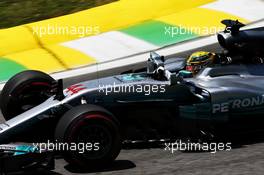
[199, 60]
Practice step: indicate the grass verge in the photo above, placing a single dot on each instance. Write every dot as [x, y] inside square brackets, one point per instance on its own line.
[17, 12]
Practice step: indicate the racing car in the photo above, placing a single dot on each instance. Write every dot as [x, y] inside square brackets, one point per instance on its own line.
[140, 106]
[156, 104]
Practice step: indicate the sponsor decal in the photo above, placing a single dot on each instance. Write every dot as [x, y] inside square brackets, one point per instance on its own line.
[238, 103]
[74, 89]
[132, 77]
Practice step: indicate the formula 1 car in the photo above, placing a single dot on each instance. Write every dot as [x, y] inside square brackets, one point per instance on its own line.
[140, 106]
[155, 104]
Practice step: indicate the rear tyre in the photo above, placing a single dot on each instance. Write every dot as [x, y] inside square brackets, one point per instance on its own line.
[258, 60]
[23, 91]
[93, 127]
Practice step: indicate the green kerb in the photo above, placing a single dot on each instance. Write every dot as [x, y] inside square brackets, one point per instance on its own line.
[159, 33]
[8, 68]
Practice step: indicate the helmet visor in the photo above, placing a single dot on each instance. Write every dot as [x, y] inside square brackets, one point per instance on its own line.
[193, 68]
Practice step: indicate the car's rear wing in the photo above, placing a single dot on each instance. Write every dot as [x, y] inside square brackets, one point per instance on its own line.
[232, 26]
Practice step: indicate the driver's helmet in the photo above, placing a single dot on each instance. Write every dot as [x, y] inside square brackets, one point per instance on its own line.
[199, 60]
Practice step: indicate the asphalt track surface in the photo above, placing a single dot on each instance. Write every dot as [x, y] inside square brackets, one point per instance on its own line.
[246, 157]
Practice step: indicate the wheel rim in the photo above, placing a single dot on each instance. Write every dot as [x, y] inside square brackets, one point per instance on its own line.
[86, 131]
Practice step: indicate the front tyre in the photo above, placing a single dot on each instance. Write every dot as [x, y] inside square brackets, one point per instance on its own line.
[24, 91]
[93, 128]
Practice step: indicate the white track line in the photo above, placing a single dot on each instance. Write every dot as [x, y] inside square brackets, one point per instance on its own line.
[109, 46]
[251, 10]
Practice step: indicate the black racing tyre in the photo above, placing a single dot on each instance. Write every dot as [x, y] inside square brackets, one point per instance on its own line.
[24, 91]
[258, 60]
[93, 126]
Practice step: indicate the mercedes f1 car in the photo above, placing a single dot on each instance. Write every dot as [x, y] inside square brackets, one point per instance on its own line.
[156, 104]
